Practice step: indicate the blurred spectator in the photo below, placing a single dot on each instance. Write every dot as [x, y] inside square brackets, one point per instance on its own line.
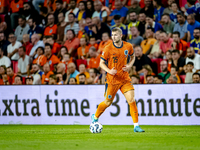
[149, 79]
[94, 58]
[132, 20]
[148, 9]
[51, 59]
[105, 41]
[59, 9]
[168, 9]
[4, 5]
[29, 10]
[195, 58]
[147, 70]
[83, 50]
[93, 75]
[73, 9]
[18, 80]
[101, 27]
[23, 62]
[118, 23]
[82, 70]
[44, 16]
[59, 78]
[175, 11]
[82, 78]
[61, 27]
[66, 59]
[63, 50]
[141, 26]
[165, 42]
[34, 28]
[3, 74]
[41, 59]
[119, 10]
[37, 74]
[134, 7]
[51, 28]
[52, 79]
[89, 9]
[141, 60]
[81, 14]
[172, 80]
[16, 7]
[173, 72]
[179, 44]
[29, 80]
[92, 42]
[98, 11]
[135, 79]
[134, 38]
[27, 44]
[22, 28]
[188, 78]
[61, 70]
[165, 74]
[11, 75]
[192, 24]
[71, 72]
[55, 46]
[72, 81]
[72, 25]
[155, 51]
[178, 61]
[72, 42]
[149, 42]
[196, 78]
[158, 79]
[36, 4]
[168, 24]
[181, 26]
[158, 10]
[191, 7]
[151, 24]
[195, 43]
[4, 60]
[90, 28]
[169, 59]
[35, 40]
[12, 50]
[3, 43]
[47, 73]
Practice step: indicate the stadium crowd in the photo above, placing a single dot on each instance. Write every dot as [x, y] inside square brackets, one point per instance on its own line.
[61, 41]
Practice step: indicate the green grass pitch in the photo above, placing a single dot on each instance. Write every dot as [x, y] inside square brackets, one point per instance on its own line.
[72, 137]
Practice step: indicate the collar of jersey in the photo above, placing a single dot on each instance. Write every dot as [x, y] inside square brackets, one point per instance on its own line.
[120, 46]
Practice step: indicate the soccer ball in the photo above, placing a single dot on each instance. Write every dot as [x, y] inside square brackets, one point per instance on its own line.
[96, 127]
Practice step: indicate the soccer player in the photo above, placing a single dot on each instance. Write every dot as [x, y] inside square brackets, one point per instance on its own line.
[116, 55]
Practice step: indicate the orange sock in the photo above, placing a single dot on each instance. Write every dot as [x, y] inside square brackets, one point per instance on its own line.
[134, 112]
[101, 108]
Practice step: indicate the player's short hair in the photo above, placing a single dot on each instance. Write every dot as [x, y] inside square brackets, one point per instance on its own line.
[190, 63]
[117, 29]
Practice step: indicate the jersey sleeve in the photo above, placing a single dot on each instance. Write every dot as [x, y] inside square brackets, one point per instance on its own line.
[131, 51]
[105, 54]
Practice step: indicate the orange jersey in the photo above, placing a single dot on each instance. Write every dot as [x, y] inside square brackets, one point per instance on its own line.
[52, 61]
[40, 60]
[80, 51]
[117, 57]
[55, 48]
[16, 6]
[44, 76]
[50, 30]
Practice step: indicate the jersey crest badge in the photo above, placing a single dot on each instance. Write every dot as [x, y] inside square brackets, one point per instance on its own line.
[126, 52]
[109, 96]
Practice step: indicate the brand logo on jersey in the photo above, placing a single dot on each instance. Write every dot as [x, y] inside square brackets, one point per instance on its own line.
[109, 96]
[50, 62]
[126, 52]
[17, 5]
[103, 53]
[51, 31]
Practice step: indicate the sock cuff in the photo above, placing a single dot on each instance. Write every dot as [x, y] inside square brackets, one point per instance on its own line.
[133, 103]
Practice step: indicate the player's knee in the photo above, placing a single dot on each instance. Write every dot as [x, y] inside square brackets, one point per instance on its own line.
[131, 100]
[108, 102]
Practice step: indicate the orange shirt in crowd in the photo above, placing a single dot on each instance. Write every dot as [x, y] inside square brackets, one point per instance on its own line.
[95, 45]
[1, 82]
[94, 62]
[16, 6]
[55, 48]
[44, 76]
[80, 51]
[50, 30]
[11, 80]
[4, 3]
[103, 44]
[52, 61]
[40, 60]
[183, 45]
[73, 43]
[80, 34]
[146, 44]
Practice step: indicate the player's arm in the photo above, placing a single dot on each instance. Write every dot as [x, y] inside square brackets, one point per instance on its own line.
[104, 67]
[128, 66]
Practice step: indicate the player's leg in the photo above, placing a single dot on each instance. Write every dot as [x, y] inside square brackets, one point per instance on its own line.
[129, 94]
[110, 92]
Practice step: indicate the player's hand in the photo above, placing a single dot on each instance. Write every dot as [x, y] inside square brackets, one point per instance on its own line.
[126, 68]
[113, 71]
